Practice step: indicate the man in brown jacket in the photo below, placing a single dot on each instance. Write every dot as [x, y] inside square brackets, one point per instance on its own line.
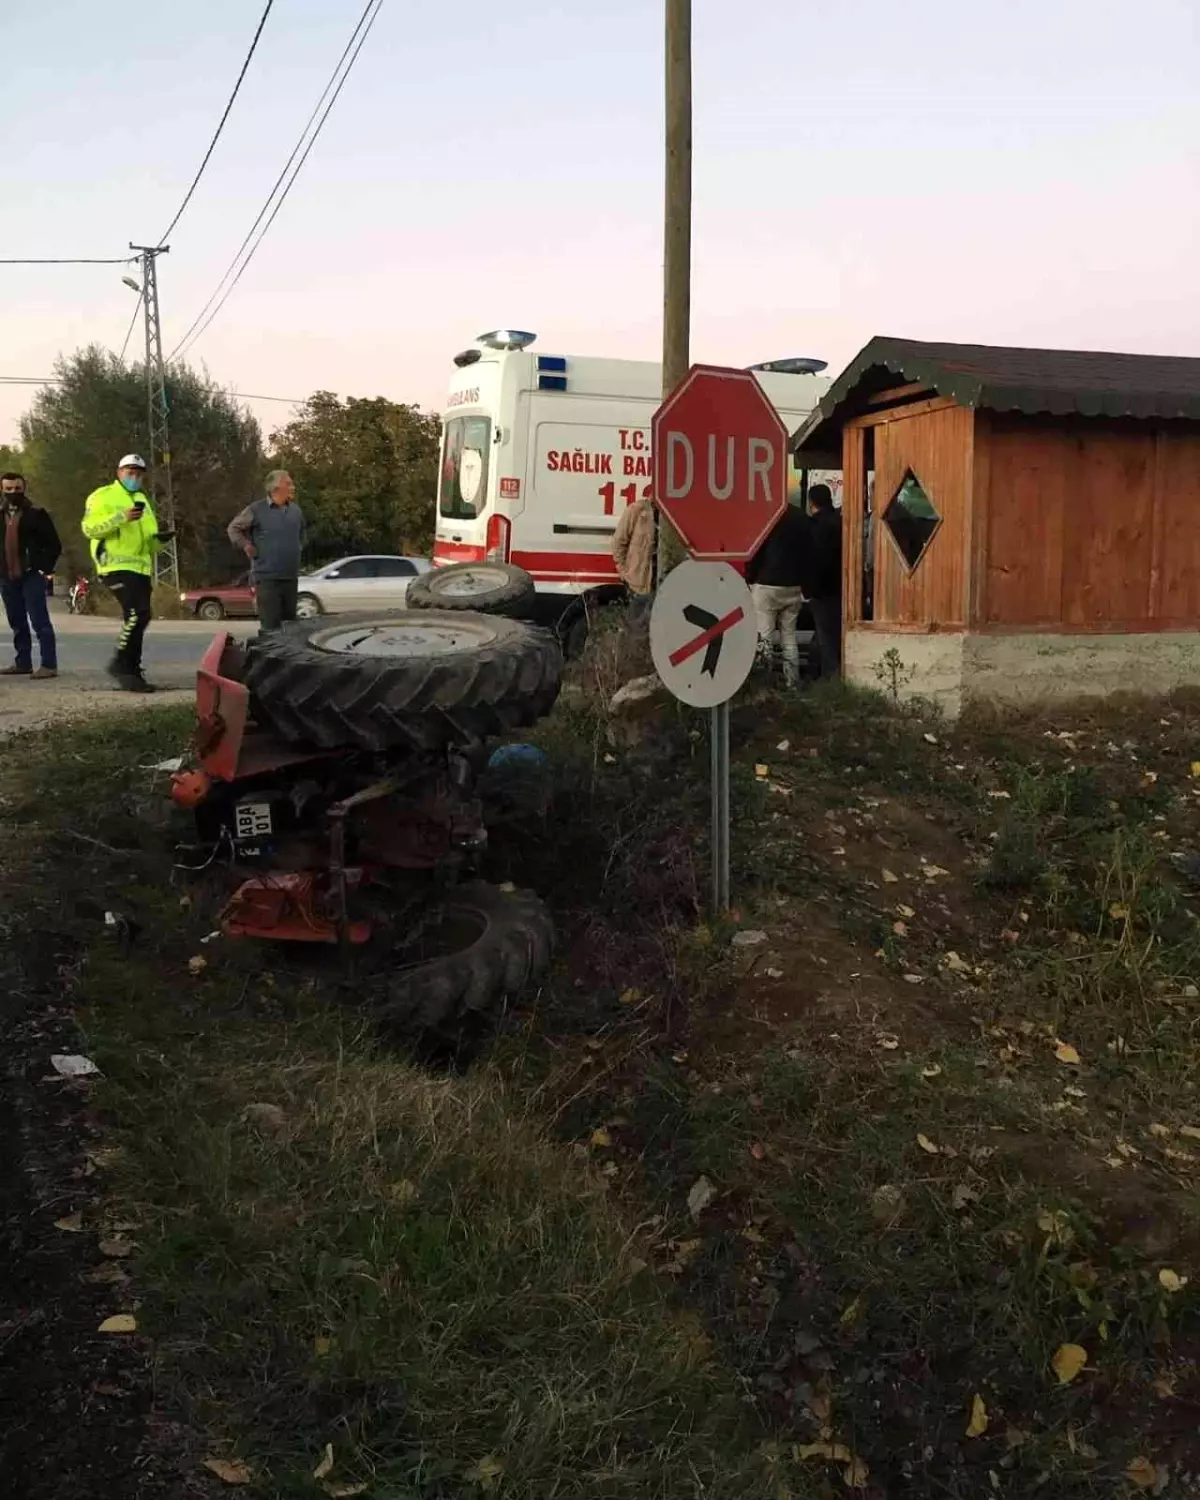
[633, 548]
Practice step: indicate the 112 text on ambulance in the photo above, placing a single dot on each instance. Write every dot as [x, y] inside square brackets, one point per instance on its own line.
[635, 460]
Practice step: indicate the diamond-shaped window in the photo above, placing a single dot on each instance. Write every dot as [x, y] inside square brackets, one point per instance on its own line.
[912, 519]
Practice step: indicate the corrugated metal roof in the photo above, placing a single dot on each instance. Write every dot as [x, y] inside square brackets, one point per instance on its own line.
[1056, 381]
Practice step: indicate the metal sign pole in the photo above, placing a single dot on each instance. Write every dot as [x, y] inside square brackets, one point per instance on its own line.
[719, 733]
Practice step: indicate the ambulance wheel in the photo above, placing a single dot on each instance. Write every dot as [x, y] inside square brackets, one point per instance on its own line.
[416, 680]
[490, 588]
[471, 950]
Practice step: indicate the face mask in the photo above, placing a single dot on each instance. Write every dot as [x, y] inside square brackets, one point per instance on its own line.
[132, 482]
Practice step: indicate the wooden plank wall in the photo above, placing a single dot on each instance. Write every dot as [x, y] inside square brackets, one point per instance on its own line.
[854, 493]
[1089, 526]
[936, 442]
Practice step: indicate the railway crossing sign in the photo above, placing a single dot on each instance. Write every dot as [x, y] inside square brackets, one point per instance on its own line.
[720, 463]
[702, 633]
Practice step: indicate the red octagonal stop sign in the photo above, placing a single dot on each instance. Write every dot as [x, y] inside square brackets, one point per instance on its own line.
[720, 462]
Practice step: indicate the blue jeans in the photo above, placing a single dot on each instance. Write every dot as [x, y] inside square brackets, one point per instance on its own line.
[26, 606]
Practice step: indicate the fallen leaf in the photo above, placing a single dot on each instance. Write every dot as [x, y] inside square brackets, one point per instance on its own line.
[857, 1474]
[774, 973]
[1196, 768]
[913, 979]
[978, 1424]
[955, 964]
[630, 997]
[889, 1043]
[1192, 1132]
[109, 1274]
[890, 879]
[601, 1137]
[852, 1312]
[197, 965]
[784, 746]
[325, 1468]
[963, 1196]
[229, 1470]
[266, 1116]
[1141, 1471]
[700, 1196]
[322, 1345]
[758, 1151]
[748, 939]
[836, 1453]
[1118, 912]
[119, 1323]
[927, 1145]
[1068, 1360]
[906, 912]
[933, 872]
[487, 1472]
[73, 1223]
[1164, 1386]
[71, 1065]
[931, 739]
[1066, 1053]
[762, 772]
[344, 1491]
[821, 1405]
[1171, 1281]
[116, 1249]
[933, 1070]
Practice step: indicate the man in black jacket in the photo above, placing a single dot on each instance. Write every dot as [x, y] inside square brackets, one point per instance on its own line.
[29, 549]
[823, 582]
[776, 575]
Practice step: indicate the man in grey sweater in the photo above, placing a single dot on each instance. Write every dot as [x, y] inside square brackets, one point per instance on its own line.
[270, 531]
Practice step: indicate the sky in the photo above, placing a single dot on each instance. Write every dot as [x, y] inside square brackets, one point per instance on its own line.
[1025, 173]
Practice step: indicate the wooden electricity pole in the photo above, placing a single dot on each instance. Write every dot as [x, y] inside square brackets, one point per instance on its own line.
[677, 230]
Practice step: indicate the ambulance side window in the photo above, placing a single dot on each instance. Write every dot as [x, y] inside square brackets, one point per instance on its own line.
[462, 490]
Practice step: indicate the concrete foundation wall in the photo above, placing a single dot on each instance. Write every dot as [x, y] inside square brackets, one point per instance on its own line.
[954, 670]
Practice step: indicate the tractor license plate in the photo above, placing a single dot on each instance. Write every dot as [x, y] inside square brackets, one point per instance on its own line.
[251, 820]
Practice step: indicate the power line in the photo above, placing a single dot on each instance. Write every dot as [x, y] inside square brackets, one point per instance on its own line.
[220, 126]
[123, 260]
[351, 50]
[58, 380]
[129, 332]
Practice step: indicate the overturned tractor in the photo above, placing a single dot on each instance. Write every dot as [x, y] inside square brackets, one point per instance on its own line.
[338, 762]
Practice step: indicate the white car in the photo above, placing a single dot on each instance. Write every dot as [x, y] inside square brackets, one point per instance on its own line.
[368, 582]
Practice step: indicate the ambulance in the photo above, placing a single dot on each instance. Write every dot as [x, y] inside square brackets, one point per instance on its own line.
[541, 453]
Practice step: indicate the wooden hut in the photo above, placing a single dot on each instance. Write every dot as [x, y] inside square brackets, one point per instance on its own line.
[1018, 524]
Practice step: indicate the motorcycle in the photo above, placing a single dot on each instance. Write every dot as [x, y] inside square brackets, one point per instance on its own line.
[79, 598]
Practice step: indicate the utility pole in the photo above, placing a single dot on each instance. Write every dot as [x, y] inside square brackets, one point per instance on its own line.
[166, 566]
[677, 231]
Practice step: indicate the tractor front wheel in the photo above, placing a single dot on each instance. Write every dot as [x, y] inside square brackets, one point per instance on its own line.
[471, 949]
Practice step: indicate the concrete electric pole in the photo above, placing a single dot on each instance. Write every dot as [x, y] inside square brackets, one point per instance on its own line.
[677, 230]
[157, 411]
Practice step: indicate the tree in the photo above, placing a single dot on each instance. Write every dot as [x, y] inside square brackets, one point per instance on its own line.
[366, 472]
[77, 429]
[12, 460]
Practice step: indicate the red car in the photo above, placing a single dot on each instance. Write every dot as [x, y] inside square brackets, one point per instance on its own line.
[228, 601]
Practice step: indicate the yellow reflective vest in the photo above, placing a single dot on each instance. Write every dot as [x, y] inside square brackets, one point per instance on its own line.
[118, 545]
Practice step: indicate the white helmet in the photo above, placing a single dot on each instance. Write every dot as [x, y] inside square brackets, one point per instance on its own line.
[132, 461]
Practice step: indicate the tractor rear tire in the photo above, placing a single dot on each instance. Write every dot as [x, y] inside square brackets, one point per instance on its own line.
[500, 941]
[490, 588]
[418, 681]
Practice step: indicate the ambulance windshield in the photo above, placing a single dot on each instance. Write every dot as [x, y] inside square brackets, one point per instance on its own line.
[462, 494]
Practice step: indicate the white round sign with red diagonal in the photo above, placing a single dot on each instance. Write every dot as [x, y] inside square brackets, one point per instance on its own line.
[703, 634]
[720, 463]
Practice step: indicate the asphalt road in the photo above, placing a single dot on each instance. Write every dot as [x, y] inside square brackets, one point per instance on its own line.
[173, 647]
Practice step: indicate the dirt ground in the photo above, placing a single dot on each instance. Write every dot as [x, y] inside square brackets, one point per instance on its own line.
[70, 697]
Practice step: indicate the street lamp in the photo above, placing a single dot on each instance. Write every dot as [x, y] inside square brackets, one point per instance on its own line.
[132, 285]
